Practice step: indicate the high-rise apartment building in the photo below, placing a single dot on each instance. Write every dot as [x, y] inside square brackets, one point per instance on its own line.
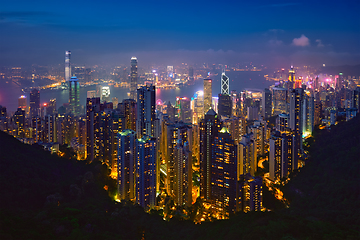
[126, 165]
[146, 161]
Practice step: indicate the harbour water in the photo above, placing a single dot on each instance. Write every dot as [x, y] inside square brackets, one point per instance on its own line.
[10, 92]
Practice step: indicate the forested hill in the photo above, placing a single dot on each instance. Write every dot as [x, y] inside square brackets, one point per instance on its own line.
[47, 197]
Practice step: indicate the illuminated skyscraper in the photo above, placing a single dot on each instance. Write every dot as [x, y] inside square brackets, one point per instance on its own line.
[225, 105]
[74, 96]
[177, 133]
[279, 100]
[22, 101]
[266, 103]
[34, 102]
[146, 155]
[19, 120]
[224, 84]
[145, 124]
[224, 173]
[207, 95]
[126, 165]
[93, 107]
[105, 94]
[128, 109]
[133, 78]
[209, 129]
[247, 155]
[67, 66]
[291, 79]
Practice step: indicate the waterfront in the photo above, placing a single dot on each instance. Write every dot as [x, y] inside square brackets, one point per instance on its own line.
[10, 92]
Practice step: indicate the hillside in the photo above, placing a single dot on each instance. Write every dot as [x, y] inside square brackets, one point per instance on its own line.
[47, 197]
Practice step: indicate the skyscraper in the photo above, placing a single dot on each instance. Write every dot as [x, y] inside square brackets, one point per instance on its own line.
[145, 185]
[67, 65]
[225, 101]
[207, 95]
[279, 100]
[22, 101]
[145, 124]
[74, 96]
[224, 173]
[133, 78]
[224, 84]
[126, 165]
[34, 102]
[266, 103]
[209, 129]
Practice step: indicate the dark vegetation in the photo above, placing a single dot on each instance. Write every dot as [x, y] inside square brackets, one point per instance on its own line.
[47, 197]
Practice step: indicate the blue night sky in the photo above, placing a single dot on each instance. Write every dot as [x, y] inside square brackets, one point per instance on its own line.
[98, 32]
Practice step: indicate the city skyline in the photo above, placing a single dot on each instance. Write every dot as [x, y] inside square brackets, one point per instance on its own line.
[268, 33]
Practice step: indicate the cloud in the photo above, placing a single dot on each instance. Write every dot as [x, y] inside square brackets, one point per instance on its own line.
[302, 41]
[320, 44]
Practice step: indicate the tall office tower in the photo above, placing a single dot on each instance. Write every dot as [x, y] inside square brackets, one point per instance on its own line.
[145, 124]
[66, 128]
[126, 165]
[250, 189]
[207, 95]
[282, 122]
[22, 102]
[67, 66]
[317, 112]
[82, 131]
[176, 132]
[209, 129]
[291, 79]
[74, 96]
[133, 78]
[225, 105]
[34, 102]
[266, 103]
[19, 120]
[282, 159]
[252, 113]
[197, 106]
[308, 113]
[296, 119]
[145, 182]
[224, 173]
[279, 99]
[128, 109]
[50, 132]
[183, 174]
[105, 94]
[93, 108]
[247, 152]
[191, 74]
[51, 107]
[224, 84]
[104, 137]
[183, 106]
